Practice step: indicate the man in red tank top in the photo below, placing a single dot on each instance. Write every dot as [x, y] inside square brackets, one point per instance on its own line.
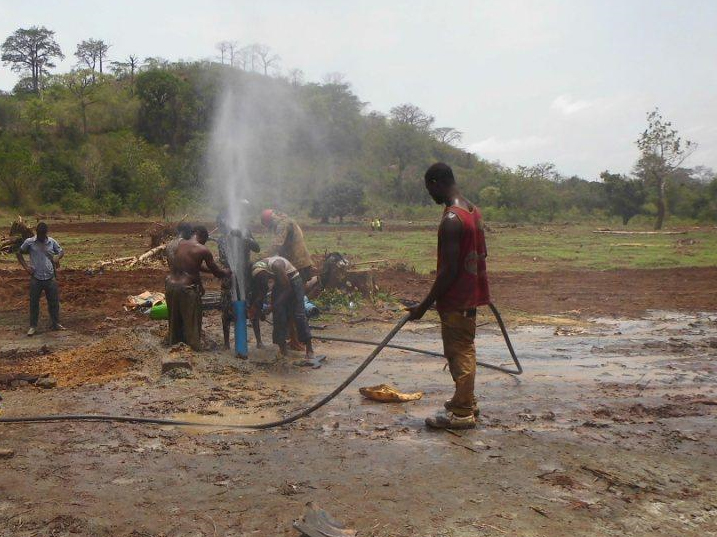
[461, 285]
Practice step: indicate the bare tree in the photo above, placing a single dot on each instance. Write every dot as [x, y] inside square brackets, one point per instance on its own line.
[31, 50]
[334, 78]
[663, 151]
[233, 48]
[409, 114]
[223, 48]
[127, 68]
[447, 135]
[265, 58]
[244, 58]
[296, 77]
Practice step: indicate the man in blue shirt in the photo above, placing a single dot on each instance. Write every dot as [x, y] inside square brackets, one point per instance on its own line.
[45, 254]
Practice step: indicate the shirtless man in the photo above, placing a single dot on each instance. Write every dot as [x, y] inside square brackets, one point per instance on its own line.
[183, 288]
[287, 300]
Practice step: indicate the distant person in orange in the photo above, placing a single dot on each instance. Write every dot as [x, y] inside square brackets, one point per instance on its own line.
[461, 285]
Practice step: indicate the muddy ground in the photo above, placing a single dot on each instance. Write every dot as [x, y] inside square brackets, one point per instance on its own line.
[610, 430]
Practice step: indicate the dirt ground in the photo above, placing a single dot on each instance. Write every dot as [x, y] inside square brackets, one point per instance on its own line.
[610, 430]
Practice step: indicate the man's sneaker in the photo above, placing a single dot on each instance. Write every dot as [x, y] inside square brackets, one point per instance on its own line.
[476, 410]
[449, 420]
[32, 331]
[57, 326]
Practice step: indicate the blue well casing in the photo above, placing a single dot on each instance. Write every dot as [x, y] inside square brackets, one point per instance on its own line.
[240, 342]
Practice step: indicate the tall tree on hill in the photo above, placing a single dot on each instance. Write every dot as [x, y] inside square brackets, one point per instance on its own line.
[447, 135]
[662, 152]
[125, 68]
[625, 196]
[32, 50]
[265, 58]
[92, 54]
[409, 114]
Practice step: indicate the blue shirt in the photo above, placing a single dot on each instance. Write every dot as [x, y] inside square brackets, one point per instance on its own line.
[41, 256]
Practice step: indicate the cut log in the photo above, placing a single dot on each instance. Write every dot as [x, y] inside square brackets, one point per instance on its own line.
[622, 232]
[150, 254]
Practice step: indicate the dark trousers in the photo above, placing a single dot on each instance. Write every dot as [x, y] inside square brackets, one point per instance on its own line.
[53, 300]
[184, 305]
[292, 309]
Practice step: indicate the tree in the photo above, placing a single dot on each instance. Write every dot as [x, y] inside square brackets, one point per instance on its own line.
[339, 200]
[151, 189]
[15, 163]
[296, 77]
[160, 97]
[83, 86]
[662, 152]
[447, 135]
[409, 114]
[31, 50]
[127, 67]
[245, 58]
[334, 78]
[625, 196]
[92, 53]
[265, 58]
[223, 48]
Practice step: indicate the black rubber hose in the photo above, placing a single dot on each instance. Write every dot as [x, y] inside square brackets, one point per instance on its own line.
[517, 371]
[293, 417]
[268, 425]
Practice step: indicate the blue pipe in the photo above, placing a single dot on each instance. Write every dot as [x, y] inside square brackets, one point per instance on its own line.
[240, 343]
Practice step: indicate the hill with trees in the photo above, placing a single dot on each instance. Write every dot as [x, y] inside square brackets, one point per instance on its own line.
[118, 136]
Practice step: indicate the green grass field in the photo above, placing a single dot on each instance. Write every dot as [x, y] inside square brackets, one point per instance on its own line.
[522, 248]
[529, 248]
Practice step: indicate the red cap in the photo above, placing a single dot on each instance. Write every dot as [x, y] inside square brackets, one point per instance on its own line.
[266, 216]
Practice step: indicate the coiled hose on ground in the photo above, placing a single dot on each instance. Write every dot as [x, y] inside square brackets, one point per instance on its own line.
[293, 417]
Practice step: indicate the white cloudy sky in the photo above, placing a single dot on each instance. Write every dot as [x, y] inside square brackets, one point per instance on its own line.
[526, 81]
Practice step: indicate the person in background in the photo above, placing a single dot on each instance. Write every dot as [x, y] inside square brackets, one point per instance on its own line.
[461, 285]
[184, 290]
[289, 243]
[45, 254]
[287, 300]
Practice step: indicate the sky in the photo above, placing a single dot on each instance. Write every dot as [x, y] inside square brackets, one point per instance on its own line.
[568, 82]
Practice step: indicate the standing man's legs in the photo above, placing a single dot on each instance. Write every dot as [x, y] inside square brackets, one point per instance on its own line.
[35, 290]
[52, 295]
[192, 317]
[174, 315]
[299, 315]
[458, 333]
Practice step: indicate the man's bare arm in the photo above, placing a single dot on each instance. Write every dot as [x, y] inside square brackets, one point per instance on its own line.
[215, 269]
[450, 237]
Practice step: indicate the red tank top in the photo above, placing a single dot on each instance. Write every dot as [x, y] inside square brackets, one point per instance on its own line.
[470, 289]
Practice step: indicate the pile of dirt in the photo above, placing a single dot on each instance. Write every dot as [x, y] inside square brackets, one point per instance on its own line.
[98, 363]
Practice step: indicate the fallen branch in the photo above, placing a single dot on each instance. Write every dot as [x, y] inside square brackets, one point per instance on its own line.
[622, 232]
[149, 254]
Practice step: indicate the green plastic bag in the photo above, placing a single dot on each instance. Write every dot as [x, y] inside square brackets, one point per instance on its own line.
[159, 311]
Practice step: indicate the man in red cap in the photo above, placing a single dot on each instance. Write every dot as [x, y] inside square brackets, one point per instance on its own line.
[461, 285]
